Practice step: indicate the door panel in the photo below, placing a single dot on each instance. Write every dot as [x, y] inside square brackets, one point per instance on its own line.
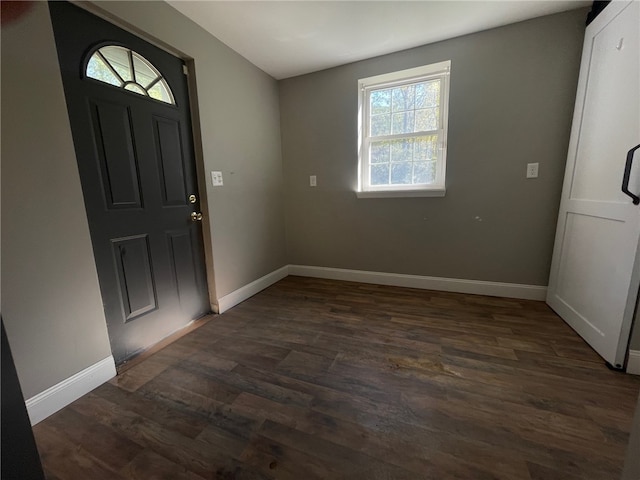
[608, 112]
[137, 168]
[171, 161]
[183, 262]
[588, 283]
[133, 268]
[118, 164]
[595, 272]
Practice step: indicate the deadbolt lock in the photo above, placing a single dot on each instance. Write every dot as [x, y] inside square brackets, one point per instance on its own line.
[196, 216]
[192, 199]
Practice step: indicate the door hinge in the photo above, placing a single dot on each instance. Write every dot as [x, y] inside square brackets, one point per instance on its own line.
[185, 70]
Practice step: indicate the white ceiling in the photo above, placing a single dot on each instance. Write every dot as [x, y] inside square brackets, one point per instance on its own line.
[289, 38]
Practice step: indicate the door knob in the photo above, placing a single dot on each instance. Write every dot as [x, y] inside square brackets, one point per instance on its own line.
[196, 216]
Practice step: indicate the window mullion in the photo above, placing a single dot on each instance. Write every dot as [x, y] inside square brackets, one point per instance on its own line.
[156, 80]
[110, 67]
[131, 66]
[401, 136]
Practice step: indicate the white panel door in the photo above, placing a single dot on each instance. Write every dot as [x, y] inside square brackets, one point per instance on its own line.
[595, 271]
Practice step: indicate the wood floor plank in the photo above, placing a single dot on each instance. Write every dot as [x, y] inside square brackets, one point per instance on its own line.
[497, 351]
[171, 419]
[278, 461]
[539, 472]
[65, 459]
[94, 438]
[195, 456]
[523, 344]
[268, 390]
[321, 379]
[149, 465]
[132, 379]
[347, 461]
[198, 379]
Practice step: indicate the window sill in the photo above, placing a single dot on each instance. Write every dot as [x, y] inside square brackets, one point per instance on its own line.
[433, 192]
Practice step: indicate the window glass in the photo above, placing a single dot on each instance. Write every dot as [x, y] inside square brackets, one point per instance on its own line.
[403, 118]
[160, 91]
[124, 68]
[145, 73]
[118, 58]
[98, 69]
[134, 87]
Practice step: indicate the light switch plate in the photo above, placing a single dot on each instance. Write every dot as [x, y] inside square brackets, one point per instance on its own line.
[313, 181]
[216, 179]
[532, 170]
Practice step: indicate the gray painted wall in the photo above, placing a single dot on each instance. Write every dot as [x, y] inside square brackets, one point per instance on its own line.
[512, 98]
[51, 301]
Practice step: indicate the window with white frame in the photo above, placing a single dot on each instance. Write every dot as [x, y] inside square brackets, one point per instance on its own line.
[403, 132]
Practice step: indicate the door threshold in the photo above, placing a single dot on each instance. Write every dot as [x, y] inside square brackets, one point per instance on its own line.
[165, 342]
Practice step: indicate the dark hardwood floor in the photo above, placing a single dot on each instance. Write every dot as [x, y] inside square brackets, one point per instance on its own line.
[318, 379]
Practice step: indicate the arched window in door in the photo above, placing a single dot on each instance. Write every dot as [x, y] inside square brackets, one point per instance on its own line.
[124, 68]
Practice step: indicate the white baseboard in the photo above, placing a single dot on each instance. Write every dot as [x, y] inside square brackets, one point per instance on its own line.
[234, 298]
[633, 365]
[478, 287]
[62, 394]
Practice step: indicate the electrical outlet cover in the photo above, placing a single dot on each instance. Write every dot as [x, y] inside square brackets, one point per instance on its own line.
[216, 179]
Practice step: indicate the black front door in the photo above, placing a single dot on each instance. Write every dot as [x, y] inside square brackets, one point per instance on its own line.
[129, 112]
